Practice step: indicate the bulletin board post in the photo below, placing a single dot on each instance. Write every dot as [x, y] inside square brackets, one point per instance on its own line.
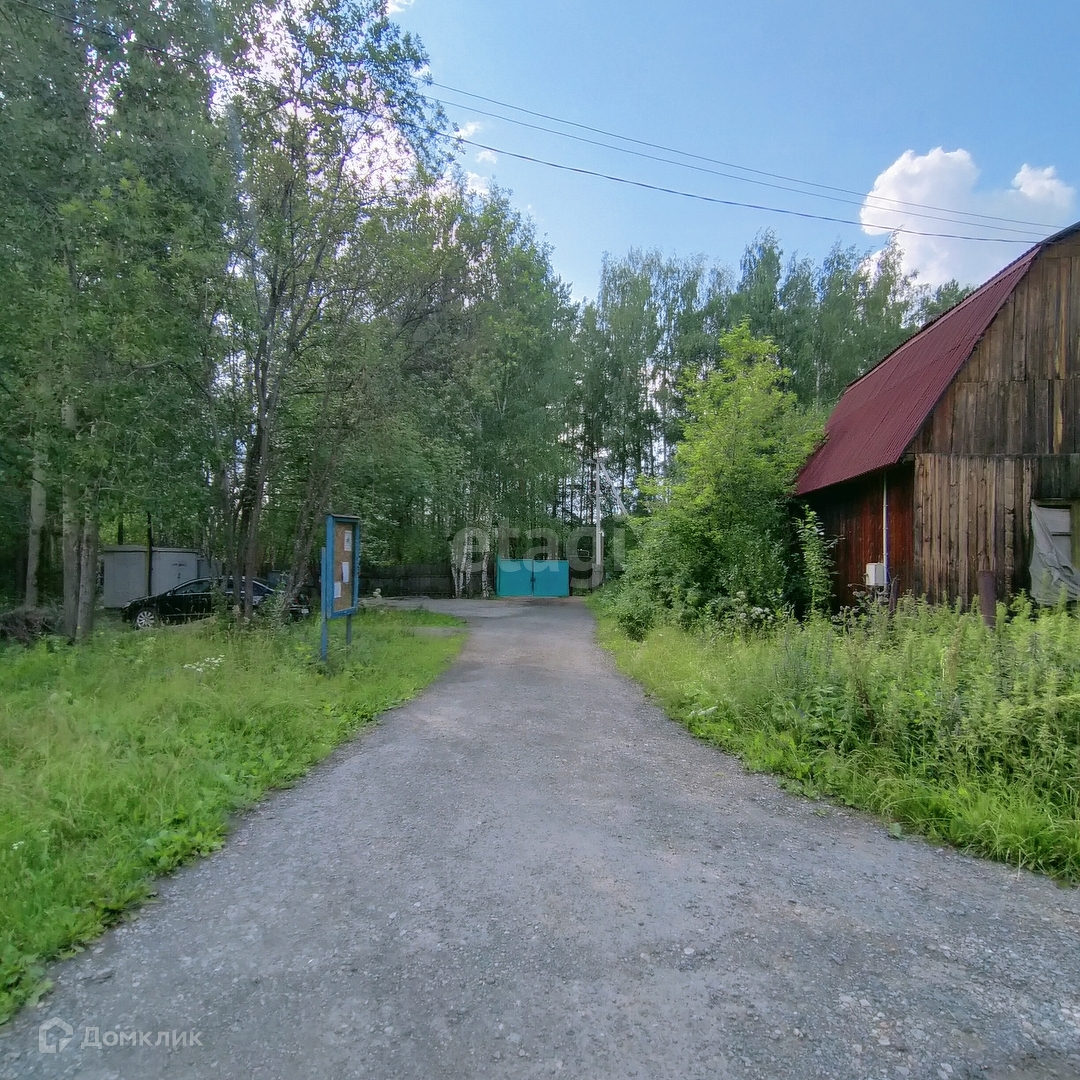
[340, 576]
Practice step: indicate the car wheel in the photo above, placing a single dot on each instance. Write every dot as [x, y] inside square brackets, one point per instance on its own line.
[145, 619]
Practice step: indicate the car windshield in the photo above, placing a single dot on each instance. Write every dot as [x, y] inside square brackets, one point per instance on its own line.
[189, 588]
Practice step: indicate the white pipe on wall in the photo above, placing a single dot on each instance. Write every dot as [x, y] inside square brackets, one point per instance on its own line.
[885, 522]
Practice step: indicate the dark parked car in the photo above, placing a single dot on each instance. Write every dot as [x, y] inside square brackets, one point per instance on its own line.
[193, 600]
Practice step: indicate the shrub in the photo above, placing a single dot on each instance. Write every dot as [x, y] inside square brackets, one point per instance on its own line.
[720, 525]
[635, 614]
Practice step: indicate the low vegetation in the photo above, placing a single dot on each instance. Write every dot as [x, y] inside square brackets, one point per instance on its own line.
[123, 758]
[967, 734]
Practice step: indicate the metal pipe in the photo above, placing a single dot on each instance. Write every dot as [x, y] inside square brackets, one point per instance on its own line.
[885, 523]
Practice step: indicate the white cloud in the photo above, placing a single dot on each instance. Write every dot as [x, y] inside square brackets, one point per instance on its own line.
[477, 184]
[1044, 187]
[467, 131]
[948, 178]
[394, 7]
[487, 157]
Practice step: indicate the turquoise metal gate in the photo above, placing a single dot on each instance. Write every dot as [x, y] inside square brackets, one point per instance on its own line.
[532, 577]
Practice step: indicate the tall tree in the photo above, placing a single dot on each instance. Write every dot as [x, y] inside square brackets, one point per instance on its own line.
[330, 117]
[122, 198]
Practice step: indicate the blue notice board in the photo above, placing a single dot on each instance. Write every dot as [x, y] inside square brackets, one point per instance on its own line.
[341, 567]
[532, 577]
[340, 576]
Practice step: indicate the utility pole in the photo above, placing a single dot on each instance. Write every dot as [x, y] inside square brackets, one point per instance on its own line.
[598, 543]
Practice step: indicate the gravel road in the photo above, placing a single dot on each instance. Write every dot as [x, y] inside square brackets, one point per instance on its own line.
[529, 872]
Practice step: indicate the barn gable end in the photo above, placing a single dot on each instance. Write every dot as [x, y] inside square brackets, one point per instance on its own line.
[973, 418]
[1006, 432]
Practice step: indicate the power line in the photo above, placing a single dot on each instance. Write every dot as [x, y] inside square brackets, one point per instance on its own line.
[727, 202]
[112, 33]
[718, 172]
[640, 142]
[735, 165]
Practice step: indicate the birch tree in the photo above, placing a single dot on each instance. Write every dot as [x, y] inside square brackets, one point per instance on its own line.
[328, 115]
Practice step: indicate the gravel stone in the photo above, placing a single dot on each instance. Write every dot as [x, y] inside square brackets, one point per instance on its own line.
[529, 871]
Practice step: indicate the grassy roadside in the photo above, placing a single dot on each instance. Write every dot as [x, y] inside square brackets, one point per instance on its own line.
[966, 734]
[122, 758]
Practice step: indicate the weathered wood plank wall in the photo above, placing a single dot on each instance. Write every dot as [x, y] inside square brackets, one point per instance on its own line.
[1005, 432]
[852, 513]
[1019, 394]
[966, 519]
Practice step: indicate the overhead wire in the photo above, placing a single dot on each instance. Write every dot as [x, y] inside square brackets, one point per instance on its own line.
[732, 164]
[658, 146]
[454, 136]
[727, 175]
[179, 57]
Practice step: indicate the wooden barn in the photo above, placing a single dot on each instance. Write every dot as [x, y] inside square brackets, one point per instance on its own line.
[936, 463]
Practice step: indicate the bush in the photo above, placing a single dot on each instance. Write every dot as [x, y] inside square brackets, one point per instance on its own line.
[817, 562]
[635, 614]
[736, 615]
[720, 525]
[24, 625]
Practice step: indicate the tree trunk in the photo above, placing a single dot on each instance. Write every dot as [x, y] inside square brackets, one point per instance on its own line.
[87, 578]
[455, 569]
[303, 538]
[485, 587]
[256, 491]
[312, 508]
[72, 544]
[251, 547]
[149, 554]
[72, 521]
[37, 523]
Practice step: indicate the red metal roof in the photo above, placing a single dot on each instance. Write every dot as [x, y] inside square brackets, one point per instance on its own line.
[879, 414]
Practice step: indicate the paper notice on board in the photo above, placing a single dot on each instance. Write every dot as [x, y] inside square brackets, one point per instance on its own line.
[348, 541]
[337, 590]
[345, 573]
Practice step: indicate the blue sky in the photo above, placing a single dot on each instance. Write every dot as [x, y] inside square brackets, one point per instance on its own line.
[852, 93]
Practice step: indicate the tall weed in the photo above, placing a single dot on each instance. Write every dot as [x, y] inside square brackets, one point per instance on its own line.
[967, 733]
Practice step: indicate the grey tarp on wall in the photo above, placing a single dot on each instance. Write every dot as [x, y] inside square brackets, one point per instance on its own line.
[1051, 559]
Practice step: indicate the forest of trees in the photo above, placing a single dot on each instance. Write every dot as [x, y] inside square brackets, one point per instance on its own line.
[242, 282]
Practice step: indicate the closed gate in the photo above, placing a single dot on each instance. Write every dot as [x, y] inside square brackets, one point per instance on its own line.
[532, 577]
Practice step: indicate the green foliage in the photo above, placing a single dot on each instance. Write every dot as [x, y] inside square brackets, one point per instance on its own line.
[832, 323]
[124, 758]
[442, 404]
[719, 528]
[656, 323]
[251, 295]
[817, 561]
[635, 613]
[254, 290]
[114, 231]
[967, 734]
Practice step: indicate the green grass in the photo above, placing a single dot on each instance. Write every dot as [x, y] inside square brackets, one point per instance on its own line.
[124, 757]
[966, 734]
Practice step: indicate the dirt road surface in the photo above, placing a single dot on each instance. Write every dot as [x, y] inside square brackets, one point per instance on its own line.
[529, 871]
